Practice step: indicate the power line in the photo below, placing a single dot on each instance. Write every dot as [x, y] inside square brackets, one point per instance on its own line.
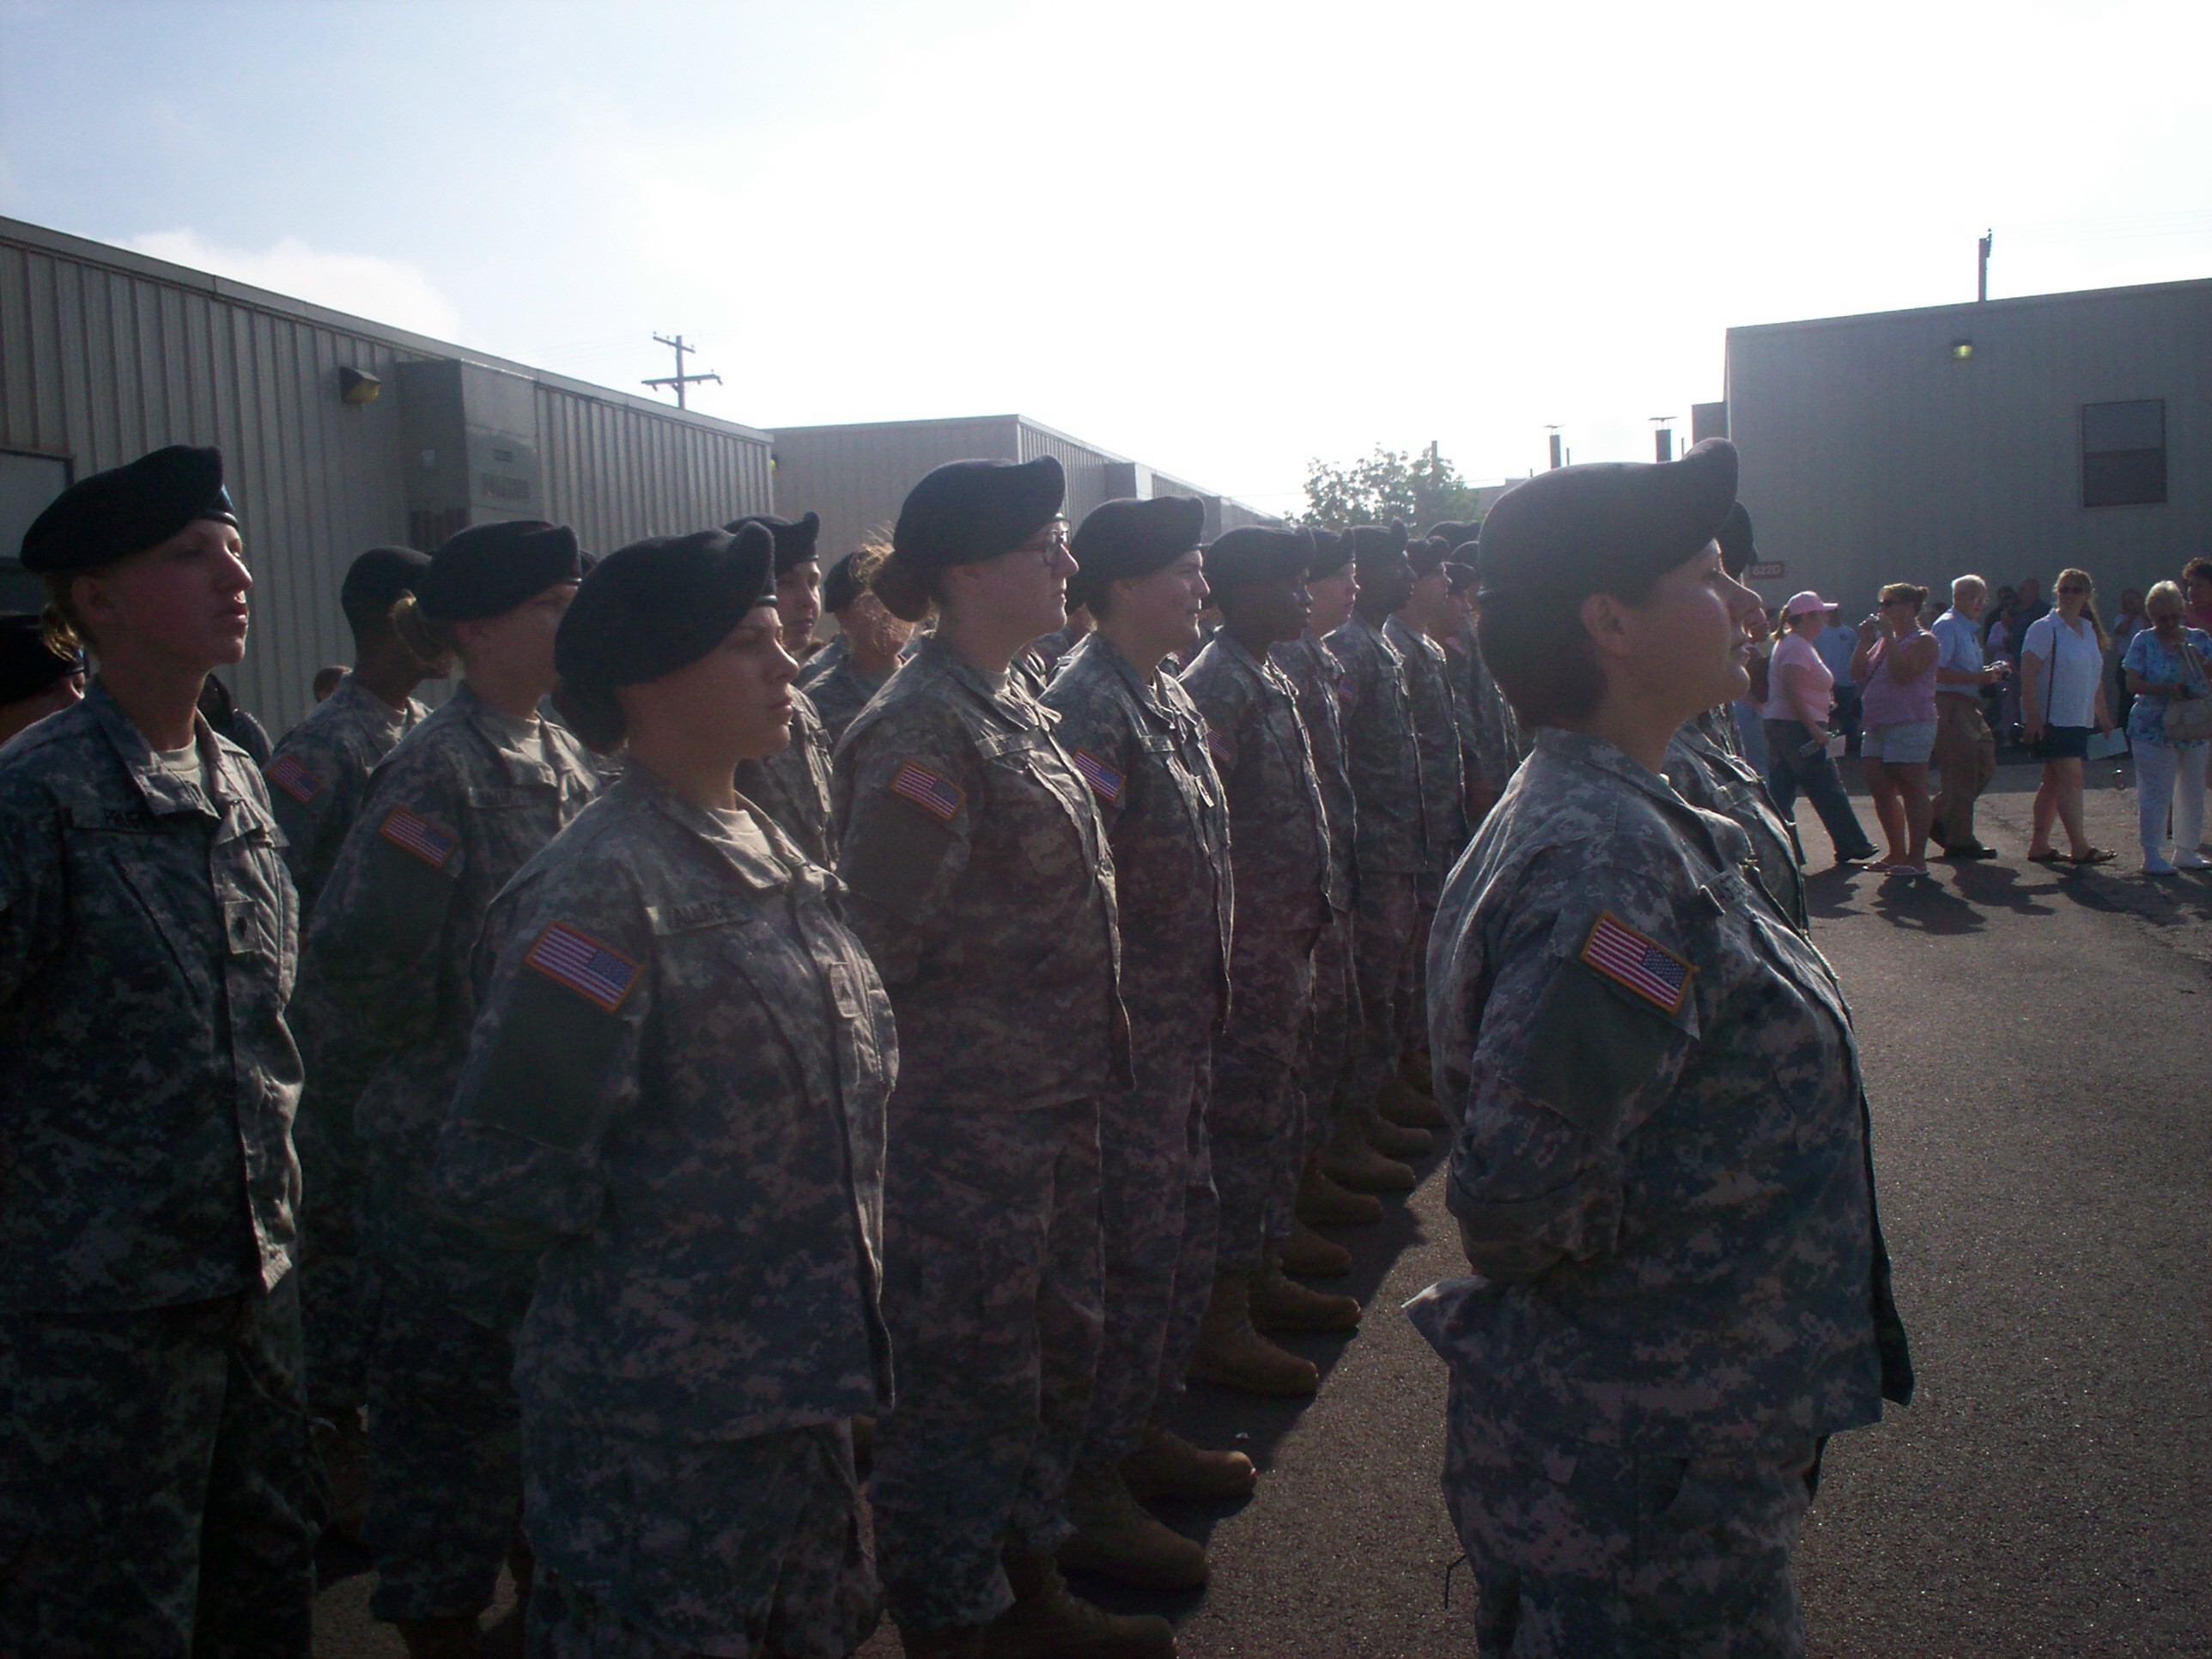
[679, 379]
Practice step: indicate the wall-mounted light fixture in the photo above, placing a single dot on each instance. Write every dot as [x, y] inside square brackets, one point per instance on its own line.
[1961, 349]
[356, 386]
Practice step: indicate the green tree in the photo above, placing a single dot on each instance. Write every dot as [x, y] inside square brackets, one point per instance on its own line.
[1420, 489]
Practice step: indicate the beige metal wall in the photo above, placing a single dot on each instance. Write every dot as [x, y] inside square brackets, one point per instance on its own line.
[1872, 453]
[104, 354]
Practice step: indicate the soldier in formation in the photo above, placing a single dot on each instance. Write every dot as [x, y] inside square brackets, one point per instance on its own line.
[792, 785]
[840, 679]
[674, 1101]
[157, 1491]
[466, 797]
[40, 674]
[1662, 1174]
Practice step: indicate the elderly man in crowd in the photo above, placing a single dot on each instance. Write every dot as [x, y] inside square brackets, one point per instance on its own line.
[1966, 748]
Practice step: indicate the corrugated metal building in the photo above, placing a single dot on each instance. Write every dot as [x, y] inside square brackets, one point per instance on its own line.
[104, 354]
[2009, 438]
[855, 477]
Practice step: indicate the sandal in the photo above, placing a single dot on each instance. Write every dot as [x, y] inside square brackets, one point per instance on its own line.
[2095, 856]
[2050, 855]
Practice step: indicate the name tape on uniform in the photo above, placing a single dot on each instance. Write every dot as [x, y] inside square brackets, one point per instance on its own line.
[411, 832]
[1637, 961]
[934, 795]
[293, 779]
[1103, 779]
[596, 972]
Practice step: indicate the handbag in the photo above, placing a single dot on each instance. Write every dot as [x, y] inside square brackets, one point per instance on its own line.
[2189, 719]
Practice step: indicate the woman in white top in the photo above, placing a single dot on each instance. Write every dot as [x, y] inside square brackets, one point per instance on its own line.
[2061, 697]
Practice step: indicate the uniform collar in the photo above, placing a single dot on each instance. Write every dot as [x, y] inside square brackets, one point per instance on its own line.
[1146, 692]
[162, 791]
[1593, 752]
[1008, 701]
[491, 726]
[356, 695]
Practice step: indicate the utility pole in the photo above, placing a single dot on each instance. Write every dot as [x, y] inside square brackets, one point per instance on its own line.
[679, 379]
[1982, 283]
[1662, 437]
[1554, 431]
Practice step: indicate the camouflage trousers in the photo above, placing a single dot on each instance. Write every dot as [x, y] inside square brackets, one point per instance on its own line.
[1255, 1119]
[158, 1494]
[1413, 1015]
[1386, 939]
[1582, 1550]
[1158, 1219]
[653, 1549]
[1332, 1036]
[991, 1292]
[337, 1283]
[445, 1458]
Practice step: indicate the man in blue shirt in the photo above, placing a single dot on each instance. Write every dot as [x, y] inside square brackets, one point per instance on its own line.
[1966, 750]
[1834, 645]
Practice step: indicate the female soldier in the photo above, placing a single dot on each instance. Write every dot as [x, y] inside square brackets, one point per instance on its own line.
[453, 812]
[156, 1487]
[866, 649]
[676, 1091]
[791, 784]
[983, 885]
[1141, 743]
[1662, 1174]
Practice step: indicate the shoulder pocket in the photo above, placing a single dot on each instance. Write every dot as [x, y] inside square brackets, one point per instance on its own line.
[1590, 1047]
[547, 1074]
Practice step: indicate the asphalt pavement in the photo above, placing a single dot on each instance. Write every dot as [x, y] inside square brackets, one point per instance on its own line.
[2038, 1044]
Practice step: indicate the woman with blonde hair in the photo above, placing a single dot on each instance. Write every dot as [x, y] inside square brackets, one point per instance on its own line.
[2166, 669]
[2061, 697]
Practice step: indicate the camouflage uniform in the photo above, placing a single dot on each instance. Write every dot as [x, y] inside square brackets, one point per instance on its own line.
[1278, 839]
[1384, 760]
[1331, 1043]
[834, 650]
[1490, 736]
[1443, 805]
[1662, 1118]
[792, 785]
[156, 1487]
[982, 882]
[1047, 649]
[839, 694]
[675, 1092]
[316, 779]
[453, 812]
[1706, 772]
[1141, 743]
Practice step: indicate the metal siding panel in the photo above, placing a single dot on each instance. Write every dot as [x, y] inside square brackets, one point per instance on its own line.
[50, 408]
[18, 381]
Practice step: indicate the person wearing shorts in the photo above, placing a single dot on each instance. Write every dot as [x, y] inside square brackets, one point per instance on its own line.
[1894, 665]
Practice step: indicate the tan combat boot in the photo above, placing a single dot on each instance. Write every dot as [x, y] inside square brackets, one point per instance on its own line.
[1322, 1203]
[1392, 1139]
[1115, 1539]
[1409, 1104]
[1233, 1354]
[1165, 1465]
[1350, 1161]
[1283, 1305]
[1046, 1622]
[1309, 1256]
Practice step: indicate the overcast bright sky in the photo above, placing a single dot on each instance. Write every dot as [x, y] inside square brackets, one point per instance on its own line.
[1220, 238]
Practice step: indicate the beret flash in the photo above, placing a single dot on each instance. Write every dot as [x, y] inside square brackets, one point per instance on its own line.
[1125, 538]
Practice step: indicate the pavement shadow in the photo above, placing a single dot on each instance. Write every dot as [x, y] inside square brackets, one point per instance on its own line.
[1994, 886]
[1226, 1420]
[1829, 894]
[1925, 907]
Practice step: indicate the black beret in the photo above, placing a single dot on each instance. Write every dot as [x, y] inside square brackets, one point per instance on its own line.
[488, 569]
[375, 581]
[28, 665]
[794, 537]
[1456, 535]
[1463, 575]
[1737, 550]
[841, 586]
[965, 512]
[127, 509]
[1371, 541]
[1129, 538]
[1427, 554]
[1607, 524]
[1251, 554]
[660, 604]
[1332, 552]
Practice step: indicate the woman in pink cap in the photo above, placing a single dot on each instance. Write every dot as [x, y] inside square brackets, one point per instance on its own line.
[1801, 692]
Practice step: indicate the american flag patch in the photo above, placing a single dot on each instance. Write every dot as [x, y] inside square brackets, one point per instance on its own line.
[413, 833]
[918, 784]
[1102, 778]
[1223, 752]
[583, 964]
[293, 779]
[1637, 961]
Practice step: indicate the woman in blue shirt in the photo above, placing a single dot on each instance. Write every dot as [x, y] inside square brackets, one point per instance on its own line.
[2166, 662]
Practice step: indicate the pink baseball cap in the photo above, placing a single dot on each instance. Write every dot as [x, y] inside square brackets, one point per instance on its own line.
[1805, 604]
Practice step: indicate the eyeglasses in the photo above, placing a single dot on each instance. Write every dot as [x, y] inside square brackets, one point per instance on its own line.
[1047, 545]
[2064, 591]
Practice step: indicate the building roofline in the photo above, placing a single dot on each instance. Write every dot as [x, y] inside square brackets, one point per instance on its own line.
[85, 251]
[1980, 307]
